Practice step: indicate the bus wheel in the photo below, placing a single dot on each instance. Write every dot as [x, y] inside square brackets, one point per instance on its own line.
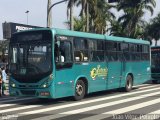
[79, 90]
[129, 83]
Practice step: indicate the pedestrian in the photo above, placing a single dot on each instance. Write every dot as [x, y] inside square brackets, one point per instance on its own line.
[4, 77]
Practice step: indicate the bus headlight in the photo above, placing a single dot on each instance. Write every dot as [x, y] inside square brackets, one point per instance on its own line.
[13, 85]
[45, 84]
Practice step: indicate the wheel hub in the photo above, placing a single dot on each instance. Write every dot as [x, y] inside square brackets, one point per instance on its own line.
[79, 89]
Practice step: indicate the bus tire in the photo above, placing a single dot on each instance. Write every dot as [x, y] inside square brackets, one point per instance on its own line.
[129, 83]
[79, 90]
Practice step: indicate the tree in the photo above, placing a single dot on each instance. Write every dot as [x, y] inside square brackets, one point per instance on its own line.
[97, 14]
[78, 24]
[70, 12]
[133, 13]
[94, 14]
[4, 45]
[152, 29]
[116, 29]
[100, 15]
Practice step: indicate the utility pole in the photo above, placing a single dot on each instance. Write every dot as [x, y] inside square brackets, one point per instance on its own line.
[49, 14]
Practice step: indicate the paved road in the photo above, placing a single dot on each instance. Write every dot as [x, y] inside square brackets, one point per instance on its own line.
[142, 103]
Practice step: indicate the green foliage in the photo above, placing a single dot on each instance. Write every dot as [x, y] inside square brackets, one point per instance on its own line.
[152, 29]
[99, 15]
[4, 45]
[132, 19]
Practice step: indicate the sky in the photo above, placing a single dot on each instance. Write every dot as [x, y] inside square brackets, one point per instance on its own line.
[14, 11]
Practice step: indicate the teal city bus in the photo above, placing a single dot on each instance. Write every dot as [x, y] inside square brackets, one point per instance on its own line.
[55, 63]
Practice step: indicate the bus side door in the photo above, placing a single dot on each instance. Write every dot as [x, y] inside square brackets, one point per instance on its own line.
[64, 72]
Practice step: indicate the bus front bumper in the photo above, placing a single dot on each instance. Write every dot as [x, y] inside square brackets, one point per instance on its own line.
[40, 93]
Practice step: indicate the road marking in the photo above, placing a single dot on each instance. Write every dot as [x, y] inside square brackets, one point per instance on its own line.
[86, 102]
[16, 99]
[123, 110]
[7, 105]
[77, 111]
[19, 99]
[19, 108]
[143, 85]
[153, 115]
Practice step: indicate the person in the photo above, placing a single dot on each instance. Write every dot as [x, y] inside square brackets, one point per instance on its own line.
[0, 82]
[4, 77]
[58, 56]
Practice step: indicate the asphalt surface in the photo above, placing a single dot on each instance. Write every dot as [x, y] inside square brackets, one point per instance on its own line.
[142, 103]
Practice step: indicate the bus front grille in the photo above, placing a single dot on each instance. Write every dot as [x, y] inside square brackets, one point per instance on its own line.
[28, 92]
[28, 86]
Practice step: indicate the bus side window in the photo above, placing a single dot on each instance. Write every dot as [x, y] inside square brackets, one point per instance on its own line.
[96, 50]
[81, 50]
[78, 56]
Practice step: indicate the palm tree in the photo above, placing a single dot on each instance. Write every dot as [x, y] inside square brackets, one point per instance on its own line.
[116, 29]
[100, 15]
[70, 12]
[84, 13]
[78, 24]
[94, 14]
[152, 29]
[133, 14]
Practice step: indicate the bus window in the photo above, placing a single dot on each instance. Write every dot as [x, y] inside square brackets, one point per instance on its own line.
[111, 46]
[97, 50]
[125, 47]
[63, 52]
[81, 50]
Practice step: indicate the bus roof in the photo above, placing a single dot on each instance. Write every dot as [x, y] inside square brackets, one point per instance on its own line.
[91, 35]
[130, 40]
[78, 34]
[155, 46]
[98, 36]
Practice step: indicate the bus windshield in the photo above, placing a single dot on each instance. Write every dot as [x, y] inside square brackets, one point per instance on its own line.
[30, 61]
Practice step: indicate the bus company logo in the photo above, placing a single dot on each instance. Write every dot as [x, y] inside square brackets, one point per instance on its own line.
[100, 72]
